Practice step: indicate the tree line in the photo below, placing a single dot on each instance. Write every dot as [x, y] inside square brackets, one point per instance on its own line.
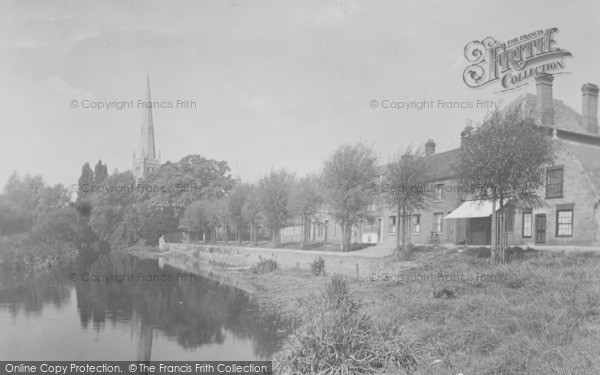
[507, 153]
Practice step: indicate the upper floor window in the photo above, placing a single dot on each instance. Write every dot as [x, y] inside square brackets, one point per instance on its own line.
[439, 192]
[554, 182]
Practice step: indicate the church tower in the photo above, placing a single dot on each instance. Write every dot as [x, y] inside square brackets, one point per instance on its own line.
[145, 160]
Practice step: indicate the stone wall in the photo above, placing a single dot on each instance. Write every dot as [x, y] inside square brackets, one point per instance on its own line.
[349, 264]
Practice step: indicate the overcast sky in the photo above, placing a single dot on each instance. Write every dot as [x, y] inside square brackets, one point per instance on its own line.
[276, 83]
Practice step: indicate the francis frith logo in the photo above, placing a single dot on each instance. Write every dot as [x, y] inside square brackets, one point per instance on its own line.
[515, 62]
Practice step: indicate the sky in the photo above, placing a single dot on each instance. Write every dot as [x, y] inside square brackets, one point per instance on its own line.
[276, 84]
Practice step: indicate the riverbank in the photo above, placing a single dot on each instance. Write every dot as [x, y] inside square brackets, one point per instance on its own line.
[538, 314]
[23, 259]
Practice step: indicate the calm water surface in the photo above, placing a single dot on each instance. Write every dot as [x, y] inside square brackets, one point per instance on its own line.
[185, 319]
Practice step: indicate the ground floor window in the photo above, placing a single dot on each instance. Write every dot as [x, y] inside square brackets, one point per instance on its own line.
[564, 223]
[320, 230]
[416, 223]
[438, 222]
[527, 224]
[392, 228]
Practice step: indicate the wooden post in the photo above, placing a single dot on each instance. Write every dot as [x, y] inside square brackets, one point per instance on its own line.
[357, 273]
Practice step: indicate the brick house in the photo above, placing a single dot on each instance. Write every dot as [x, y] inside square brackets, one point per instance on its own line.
[571, 214]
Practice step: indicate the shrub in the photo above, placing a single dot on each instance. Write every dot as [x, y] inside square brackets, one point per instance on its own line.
[264, 266]
[336, 291]
[339, 339]
[318, 266]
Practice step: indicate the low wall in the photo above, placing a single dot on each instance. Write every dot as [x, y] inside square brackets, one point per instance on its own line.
[350, 264]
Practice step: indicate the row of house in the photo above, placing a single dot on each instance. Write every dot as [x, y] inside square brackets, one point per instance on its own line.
[570, 215]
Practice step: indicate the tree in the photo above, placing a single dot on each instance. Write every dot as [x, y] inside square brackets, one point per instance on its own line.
[305, 202]
[504, 160]
[198, 219]
[100, 173]
[110, 206]
[236, 199]
[252, 213]
[86, 180]
[406, 192]
[345, 175]
[18, 203]
[274, 192]
[177, 185]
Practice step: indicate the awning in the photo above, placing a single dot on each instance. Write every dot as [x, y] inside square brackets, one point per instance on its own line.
[471, 209]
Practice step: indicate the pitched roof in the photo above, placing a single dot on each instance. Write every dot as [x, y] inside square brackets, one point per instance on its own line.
[587, 155]
[565, 117]
[440, 165]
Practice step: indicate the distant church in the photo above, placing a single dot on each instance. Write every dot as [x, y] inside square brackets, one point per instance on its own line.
[145, 161]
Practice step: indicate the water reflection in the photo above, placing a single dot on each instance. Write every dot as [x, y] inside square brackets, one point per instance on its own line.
[138, 319]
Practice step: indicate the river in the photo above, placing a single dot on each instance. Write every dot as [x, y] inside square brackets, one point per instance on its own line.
[141, 310]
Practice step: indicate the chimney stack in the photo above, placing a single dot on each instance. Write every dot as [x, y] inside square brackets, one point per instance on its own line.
[429, 147]
[589, 110]
[543, 83]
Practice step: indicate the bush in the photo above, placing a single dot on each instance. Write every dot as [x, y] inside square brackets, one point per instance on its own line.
[336, 291]
[318, 266]
[337, 338]
[264, 266]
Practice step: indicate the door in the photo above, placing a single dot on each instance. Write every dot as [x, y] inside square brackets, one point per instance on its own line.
[540, 228]
[380, 230]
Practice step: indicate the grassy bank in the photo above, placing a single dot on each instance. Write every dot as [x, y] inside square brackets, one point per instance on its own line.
[456, 313]
[23, 259]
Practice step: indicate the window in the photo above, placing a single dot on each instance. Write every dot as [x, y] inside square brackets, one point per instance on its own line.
[334, 229]
[564, 223]
[527, 224]
[554, 182]
[439, 192]
[438, 223]
[416, 223]
[392, 228]
[320, 234]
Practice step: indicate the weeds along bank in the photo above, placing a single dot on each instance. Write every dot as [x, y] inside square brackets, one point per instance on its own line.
[23, 258]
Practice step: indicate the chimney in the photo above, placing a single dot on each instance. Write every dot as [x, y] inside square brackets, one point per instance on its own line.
[429, 147]
[543, 83]
[589, 110]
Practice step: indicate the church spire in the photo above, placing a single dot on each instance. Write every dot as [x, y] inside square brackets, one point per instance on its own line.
[144, 158]
[147, 132]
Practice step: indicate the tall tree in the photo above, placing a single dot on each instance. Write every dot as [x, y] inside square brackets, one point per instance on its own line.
[252, 213]
[504, 159]
[100, 172]
[236, 199]
[406, 179]
[86, 180]
[345, 175]
[274, 192]
[18, 203]
[176, 185]
[305, 202]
